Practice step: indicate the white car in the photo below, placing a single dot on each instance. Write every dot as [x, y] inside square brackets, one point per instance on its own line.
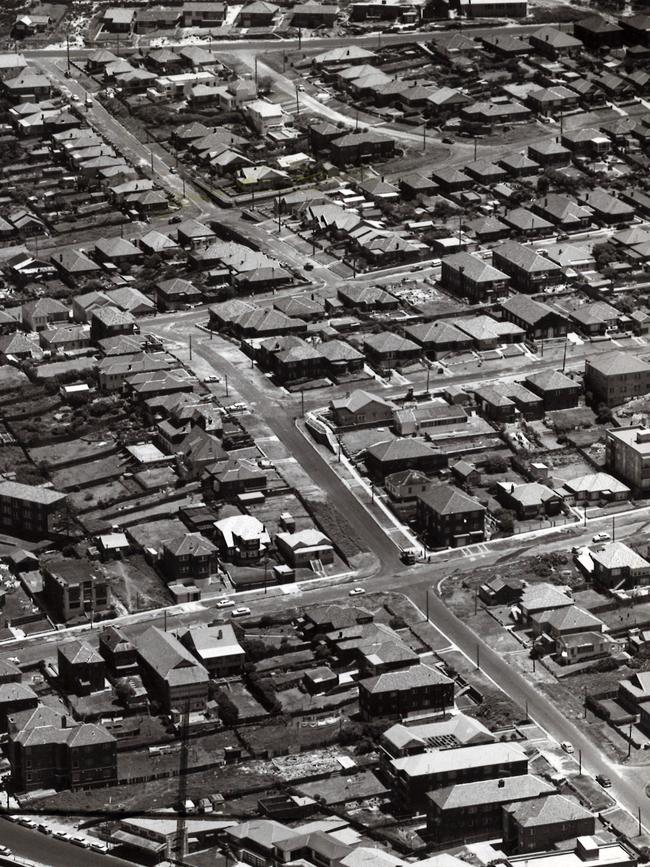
[212, 377]
[567, 747]
[242, 611]
[75, 98]
[358, 591]
[601, 537]
[224, 603]
[6, 851]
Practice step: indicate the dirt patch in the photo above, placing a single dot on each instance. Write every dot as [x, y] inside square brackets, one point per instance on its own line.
[136, 585]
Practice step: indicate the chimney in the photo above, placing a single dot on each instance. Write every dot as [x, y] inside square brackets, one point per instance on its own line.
[220, 635]
[64, 722]
[501, 784]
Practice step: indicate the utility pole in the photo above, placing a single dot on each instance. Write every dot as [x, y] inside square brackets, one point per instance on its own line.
[478, 657]
[299, 38]
[256, 72]
[475, 147]
[183, 762]
[566, 342]
[427, 597]
[67, 51]
[638, 818]
[151, 155]
[424, 136]
[579, 763]
[190, 347]
[629, 741]
[226, 378]
[302, 402]
[297, 102]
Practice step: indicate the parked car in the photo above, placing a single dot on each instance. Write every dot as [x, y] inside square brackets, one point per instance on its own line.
[358, 591]
[601, 537]
[224, 603]
[604, 781]
[241, 611]
[567, 747]
[211, 377]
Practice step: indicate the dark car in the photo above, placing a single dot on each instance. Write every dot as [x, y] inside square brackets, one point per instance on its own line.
[175, 219]
[604, 781]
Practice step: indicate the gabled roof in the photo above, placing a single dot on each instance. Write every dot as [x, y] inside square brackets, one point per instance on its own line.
[190, 544]
[167, 656]
[80, 653]
[358, 400]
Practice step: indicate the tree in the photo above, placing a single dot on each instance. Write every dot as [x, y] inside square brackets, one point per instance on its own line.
[543, 185]
[255, 649]
[124, 691]
[228, 710]
[496, 464]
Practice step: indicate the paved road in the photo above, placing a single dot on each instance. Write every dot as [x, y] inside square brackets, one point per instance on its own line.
[53, 853]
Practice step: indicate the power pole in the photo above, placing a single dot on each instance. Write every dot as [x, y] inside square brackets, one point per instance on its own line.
[181, 827]
[297, 103]
[475, 147]
[564, 356]
[67, 51]
[256, 72]
[190, 347]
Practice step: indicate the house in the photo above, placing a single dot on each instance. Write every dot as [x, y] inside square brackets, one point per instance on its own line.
[556, 389]
[411, 421]
[403, 488]
[229, 479]
[312, 15]
[110, 321]
[389, 350]
[257, 14]
[341, 359]
[595, 318]
[299, 549]
[395, 455]
[291, 358]
[549, 626]
[367, 298]
[14, 698]
[455, 730]
[439, 337]
[529, 500]
[117, 251]
[400, 693]
[172, 675]
[536, 318]
[241, 538]
[466, 473]
[597, 33]
[549, 154]
[529, 272]
[29, 509]
[555, 43]
[216, 648]
[361, 409]
[627, 454]
[636, 29]
[177, 294]
[501, 591]
[616, 376]
[595, 487]
[199, 13]
[586, 142]
[616, 567]
[118, 652]
[48, 750]
[449, 518]
[264, 116]
[563, 212]
[74, 589]
[358, 147]
[606, 208]
[190, 557]
[542, 597]
[633, 692]
[118, 20]
[41, 313]
[469, 812]
[437, 768]
[473, 278]
[538, 825]
[579, 647]
[81, 668]
[9, 672]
